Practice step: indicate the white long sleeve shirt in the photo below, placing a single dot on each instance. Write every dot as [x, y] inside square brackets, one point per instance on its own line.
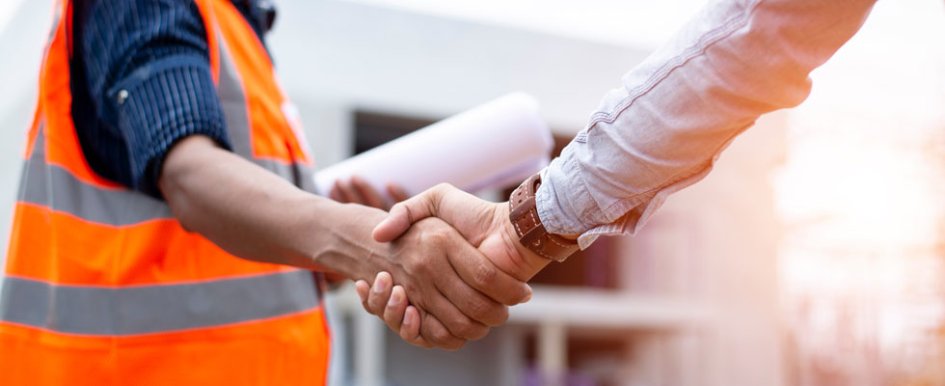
[665, 126]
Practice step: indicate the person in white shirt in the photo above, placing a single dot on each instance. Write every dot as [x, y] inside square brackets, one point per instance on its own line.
[657, 133]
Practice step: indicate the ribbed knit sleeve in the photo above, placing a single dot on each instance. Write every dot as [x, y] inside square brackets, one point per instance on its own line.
[145, 72]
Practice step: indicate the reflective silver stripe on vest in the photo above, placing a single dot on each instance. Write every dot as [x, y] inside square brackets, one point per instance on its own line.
[55, 187]
[233, 102]
[134, 310]
[235, 113]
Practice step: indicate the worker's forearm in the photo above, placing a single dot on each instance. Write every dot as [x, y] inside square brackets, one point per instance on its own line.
[256, 215]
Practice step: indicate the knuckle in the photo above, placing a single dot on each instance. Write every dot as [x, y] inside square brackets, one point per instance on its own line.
[370, 305]
[485, 275]
[436, 239]
[495, 316]
[440, 235]
[485, 310]
[479, 308]
[429, 235]
[503, 316]
[422, 267]
[391, 319]
[376, 303]
[479, 333]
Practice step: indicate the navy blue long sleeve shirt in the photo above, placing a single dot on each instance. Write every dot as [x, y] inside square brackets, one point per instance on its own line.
[141, 81]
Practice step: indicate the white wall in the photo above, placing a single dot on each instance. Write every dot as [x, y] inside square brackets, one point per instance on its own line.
[395, 60]
[736, 236]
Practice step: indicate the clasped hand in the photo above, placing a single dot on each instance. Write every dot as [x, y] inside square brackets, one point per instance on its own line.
[467, 250]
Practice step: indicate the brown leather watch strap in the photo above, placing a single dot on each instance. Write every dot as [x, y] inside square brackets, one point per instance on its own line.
[523, 213]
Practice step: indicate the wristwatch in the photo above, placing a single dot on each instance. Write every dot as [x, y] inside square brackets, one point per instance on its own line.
[523, 213]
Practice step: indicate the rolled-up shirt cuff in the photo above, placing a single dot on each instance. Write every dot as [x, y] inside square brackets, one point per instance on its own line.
[563, 202]
[566, 206]
[166, 105]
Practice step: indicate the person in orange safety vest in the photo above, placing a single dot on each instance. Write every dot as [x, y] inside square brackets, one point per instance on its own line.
[206, 278]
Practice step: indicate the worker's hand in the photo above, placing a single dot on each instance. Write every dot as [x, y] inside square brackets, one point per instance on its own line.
[358, 191]
[457, 292]
[484, 224]
[398, 314]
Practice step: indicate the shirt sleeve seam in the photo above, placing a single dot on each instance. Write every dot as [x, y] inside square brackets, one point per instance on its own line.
[699, 49]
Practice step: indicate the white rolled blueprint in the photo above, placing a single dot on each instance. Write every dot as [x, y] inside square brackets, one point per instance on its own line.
[494, 145]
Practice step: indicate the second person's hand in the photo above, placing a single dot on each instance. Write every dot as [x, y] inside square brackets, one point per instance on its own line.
[484, 224]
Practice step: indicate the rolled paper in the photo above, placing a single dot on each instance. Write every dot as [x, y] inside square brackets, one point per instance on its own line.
[494, 145]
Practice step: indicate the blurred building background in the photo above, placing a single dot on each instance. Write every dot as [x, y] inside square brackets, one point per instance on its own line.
[812, 255]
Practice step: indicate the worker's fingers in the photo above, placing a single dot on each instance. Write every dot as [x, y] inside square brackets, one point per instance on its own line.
[410, 329]
[363, 289]
[427, 334]
[395, 313]
[380, 293]
[399, 315]
[395, 309]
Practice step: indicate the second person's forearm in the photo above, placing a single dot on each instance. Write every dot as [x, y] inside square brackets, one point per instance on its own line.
[662, 129]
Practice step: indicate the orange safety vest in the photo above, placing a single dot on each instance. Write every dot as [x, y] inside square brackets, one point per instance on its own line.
[104, 287]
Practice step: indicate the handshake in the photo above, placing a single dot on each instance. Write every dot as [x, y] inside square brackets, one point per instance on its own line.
[455, 268]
